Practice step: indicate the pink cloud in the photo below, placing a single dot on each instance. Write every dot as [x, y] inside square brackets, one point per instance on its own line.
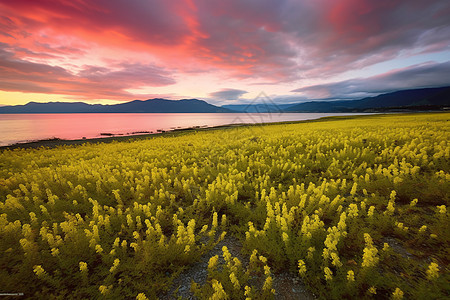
[90, 83]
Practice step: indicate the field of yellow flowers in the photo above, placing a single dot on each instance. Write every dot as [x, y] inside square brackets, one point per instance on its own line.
[355, 206]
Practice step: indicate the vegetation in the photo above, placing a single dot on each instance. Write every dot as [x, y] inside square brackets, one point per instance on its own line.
[356, 207]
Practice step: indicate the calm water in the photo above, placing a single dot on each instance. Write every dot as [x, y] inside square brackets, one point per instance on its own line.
[16, 128]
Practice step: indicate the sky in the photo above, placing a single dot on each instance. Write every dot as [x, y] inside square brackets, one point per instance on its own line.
[224, 52]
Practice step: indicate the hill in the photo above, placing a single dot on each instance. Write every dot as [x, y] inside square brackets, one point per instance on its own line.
[416, 99]
[137, 106]
[258, 108]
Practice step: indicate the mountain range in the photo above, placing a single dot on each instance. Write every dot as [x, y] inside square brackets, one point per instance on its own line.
[156, 105]
[417, 99]
[414, 99]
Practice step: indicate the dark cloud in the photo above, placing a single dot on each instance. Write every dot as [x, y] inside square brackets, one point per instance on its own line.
[245, 37]
[419, 76]
[292, 39]
[228, 94]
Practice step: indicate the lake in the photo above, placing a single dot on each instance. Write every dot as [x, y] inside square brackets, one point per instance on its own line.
[18, 128]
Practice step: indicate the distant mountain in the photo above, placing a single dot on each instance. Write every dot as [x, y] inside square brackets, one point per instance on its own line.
[51, 107]
[415, 99]
[429, 98]
[258, 108]
[137, 106]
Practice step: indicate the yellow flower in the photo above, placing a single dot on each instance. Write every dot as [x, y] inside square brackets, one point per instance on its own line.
[350, 276]
[39, 271]
[301, 267]
[390, 209]
[104, 290]
[135, 246]
[219, 293]
[141, 296]
[254, 256]
[223, 222]
[115, 265]
[285, 237]
[353, 190]
[213, 261]
[422, 229]
[442, 209]
[98, 248]
[226, 255]
[326, 253]
[398, 294]
[247, 290]
[372, 290]
[235, 281]
[402, 227]
[215, 222]
[263, 259]
[413, 202]
[55, 251]
[392, 195]
[310, 254]
[267, 283]
[370, 258]
[335, 260]
[433, 271]
[353, 210]
[371, 211]
[341, 224]
[204, 228]
[328, 273]
[83, 266]
[267, 270]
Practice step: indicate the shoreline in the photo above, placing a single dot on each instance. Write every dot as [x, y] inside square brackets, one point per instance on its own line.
[54, 142]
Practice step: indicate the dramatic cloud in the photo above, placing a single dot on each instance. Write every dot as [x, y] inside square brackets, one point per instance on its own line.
[112, 47]
[419, 76]
[25, 76]
[228, 94]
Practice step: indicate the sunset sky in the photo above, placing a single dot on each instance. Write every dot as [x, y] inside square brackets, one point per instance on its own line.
[224, 52]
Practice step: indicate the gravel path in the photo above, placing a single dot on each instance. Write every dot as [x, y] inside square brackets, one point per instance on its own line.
[287, 285]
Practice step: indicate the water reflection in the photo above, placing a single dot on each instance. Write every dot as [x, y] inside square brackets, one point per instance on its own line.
[29, 127]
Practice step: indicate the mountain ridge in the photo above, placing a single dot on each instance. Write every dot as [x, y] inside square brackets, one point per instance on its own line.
[156, 105]
[411, 99]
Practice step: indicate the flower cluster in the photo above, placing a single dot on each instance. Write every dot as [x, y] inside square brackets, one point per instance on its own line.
[301, 268]
[433, 271]
[370, 257]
